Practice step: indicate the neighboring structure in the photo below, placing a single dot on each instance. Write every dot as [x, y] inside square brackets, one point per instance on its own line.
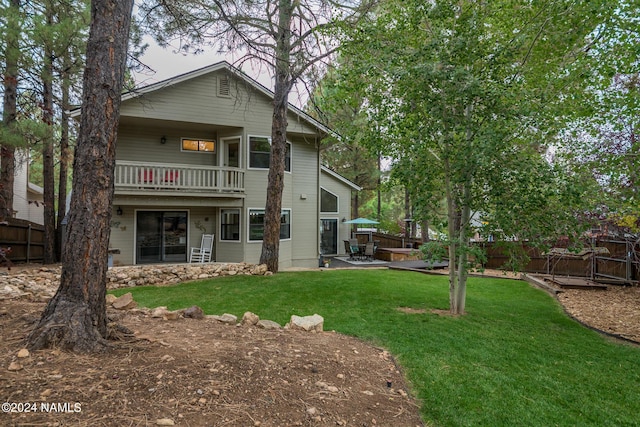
[192, 158]
[28, 198]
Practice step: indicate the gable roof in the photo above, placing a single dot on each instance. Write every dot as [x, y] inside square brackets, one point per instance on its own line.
[223, 65]
[340, 178]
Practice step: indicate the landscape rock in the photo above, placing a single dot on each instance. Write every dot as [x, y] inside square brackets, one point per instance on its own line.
[268, 324]
[250, 318]
[165, 422]
[23, 353]
[226, 318]
[159, 312]
[42, 284]
[125, 302]
[193, 312]
[307, 323]
[327, 387]
[171, 315]
[15, 366]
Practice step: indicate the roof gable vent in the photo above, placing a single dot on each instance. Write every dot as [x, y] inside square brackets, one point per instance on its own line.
[224, 86]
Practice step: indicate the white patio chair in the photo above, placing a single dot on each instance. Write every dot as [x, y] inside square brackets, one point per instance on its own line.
[203, 253]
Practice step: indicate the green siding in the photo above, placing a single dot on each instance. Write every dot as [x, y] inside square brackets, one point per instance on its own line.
[196, 101]
[142, 144]
[343, 192]
[304, 200]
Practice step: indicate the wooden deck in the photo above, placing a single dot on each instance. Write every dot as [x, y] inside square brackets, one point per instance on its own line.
[569, 282]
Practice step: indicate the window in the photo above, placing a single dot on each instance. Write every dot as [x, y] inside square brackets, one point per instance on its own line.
[199, 145]
[260, 153]
[256, 224]
[328, 201]
[230, 224]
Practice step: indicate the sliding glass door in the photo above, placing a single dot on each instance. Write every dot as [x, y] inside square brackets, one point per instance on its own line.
[161, 236]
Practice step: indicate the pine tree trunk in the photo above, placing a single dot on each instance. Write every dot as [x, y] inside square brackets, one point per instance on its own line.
[275, 185]
[75, 318]
[64, 159]
[48, 175]
[424, 231]
[356, 206]
[7, 178]
[9, 104]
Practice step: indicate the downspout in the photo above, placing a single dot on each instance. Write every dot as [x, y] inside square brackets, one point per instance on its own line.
[318, 237]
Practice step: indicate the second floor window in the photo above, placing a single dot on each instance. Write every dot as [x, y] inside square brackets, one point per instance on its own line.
[260, 153]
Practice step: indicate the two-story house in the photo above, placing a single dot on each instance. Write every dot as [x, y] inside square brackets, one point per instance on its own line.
[192, 158]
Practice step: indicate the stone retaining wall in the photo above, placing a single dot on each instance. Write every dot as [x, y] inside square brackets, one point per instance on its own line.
[42, 282]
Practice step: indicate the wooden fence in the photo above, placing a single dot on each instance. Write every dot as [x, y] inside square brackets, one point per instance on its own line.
[390, 241]
[26, 240]
[607, 260]
[613, 260]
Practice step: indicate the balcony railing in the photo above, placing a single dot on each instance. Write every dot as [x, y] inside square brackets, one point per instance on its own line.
[163, 177]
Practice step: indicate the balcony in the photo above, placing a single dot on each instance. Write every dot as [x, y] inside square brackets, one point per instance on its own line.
[140, 177]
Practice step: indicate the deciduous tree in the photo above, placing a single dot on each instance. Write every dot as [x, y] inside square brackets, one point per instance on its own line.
[604, 143]
[477, 91]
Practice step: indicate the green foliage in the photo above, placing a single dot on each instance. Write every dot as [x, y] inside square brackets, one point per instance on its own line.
[348, 151]
[469, 99]
[602, 144]
[10, 137]
[391, 208]
[438, 250]
[517, 257]
[389, 226]
[434, 250]
[514, 359]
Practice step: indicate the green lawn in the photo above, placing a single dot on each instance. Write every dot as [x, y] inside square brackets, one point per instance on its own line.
[515, 359]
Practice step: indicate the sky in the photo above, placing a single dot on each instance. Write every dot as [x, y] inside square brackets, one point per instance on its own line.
[166, 63]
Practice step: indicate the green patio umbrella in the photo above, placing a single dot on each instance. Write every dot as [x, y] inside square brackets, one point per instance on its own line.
[361, 221]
